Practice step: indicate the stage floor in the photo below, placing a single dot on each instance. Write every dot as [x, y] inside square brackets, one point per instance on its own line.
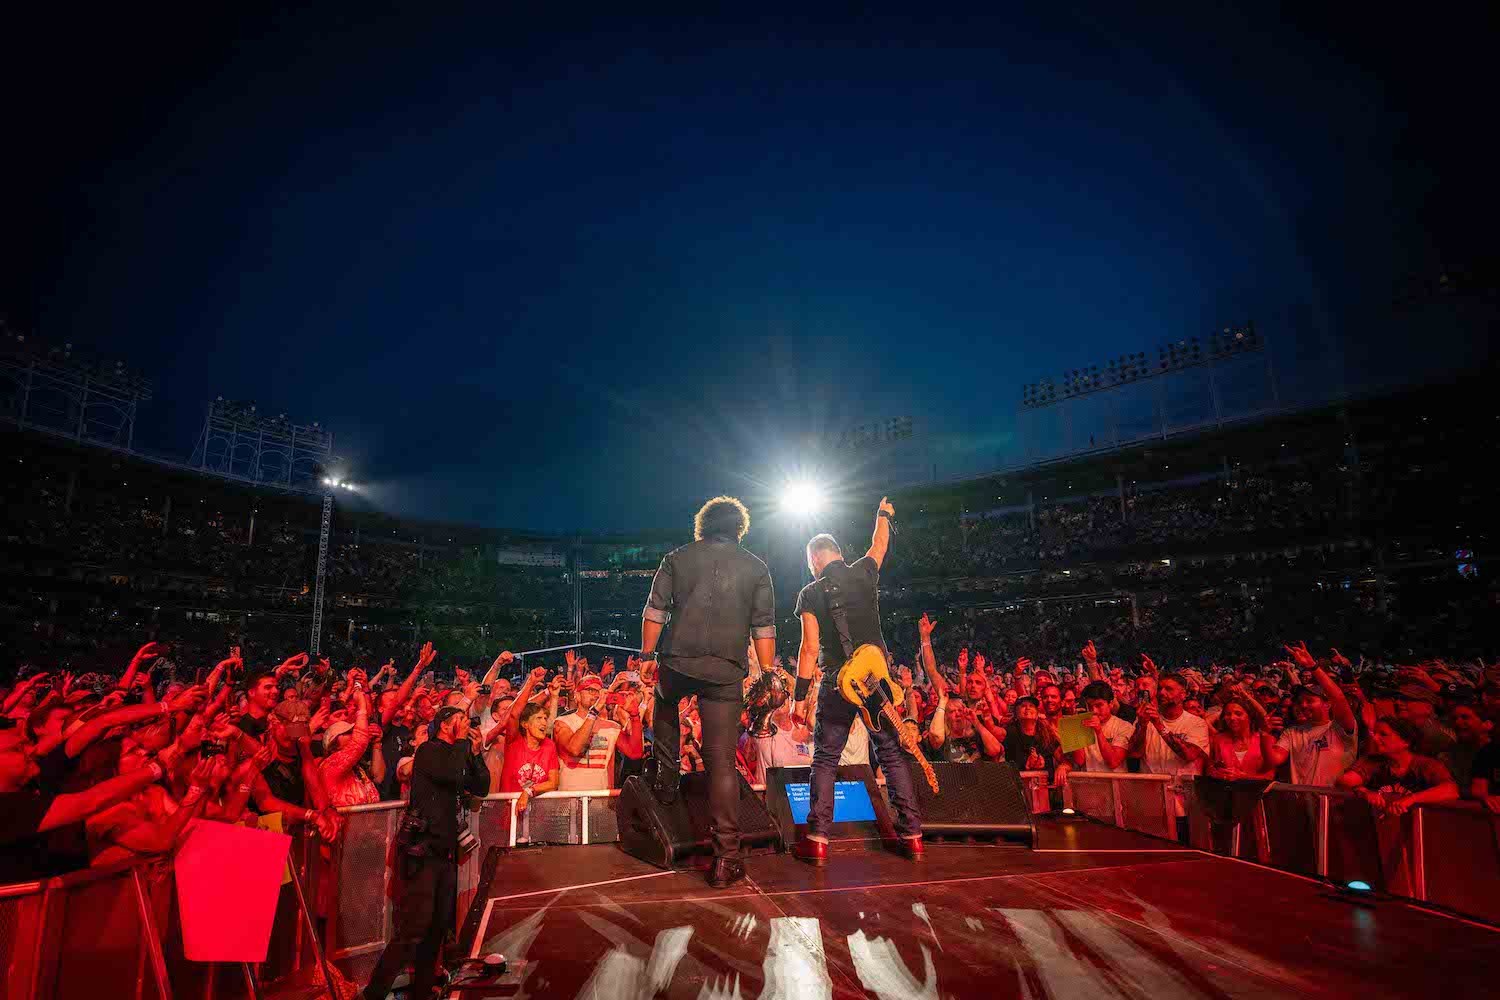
[1111, 914]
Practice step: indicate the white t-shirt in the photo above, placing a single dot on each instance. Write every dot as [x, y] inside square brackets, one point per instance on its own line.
[1116, 732]
[857, 749]
[1159, 758]
[782, 750]
[595, 767]
[1319, 754]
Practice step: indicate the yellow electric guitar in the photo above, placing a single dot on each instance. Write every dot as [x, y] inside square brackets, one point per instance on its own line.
[865, 682]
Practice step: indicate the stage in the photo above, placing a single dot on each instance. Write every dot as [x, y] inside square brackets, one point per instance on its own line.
[1102, 913]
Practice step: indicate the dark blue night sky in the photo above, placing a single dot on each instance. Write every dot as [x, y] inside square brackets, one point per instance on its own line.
[582, 274]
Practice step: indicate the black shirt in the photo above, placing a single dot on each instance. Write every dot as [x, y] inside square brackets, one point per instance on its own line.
[1487, 766]
[23, 851]
[713, 598]
[284, 779]
[955, 750]
[440, 774]
[255, 727]
[395, 743]
[1018, 747]
[857, 587]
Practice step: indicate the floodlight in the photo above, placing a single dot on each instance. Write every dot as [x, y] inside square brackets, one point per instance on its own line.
[802, 498]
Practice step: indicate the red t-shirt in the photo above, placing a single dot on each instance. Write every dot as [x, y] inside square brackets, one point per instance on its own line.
[524, 766]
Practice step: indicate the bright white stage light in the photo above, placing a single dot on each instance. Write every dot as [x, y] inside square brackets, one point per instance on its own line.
[802, 498]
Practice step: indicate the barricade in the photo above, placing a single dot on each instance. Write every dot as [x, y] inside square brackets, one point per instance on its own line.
[113, 931]
[1446, 853]
[61, 937]
[1140, 802]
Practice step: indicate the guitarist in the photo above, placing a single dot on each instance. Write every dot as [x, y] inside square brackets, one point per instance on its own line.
[840, 611]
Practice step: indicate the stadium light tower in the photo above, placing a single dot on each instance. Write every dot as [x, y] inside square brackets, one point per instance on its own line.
[325, 532]
[239, 441]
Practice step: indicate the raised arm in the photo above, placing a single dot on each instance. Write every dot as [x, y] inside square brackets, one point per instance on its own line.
[512, 723]
[187, 700]
[937, 729]
[19, 691]
[72, 808]
[1091, 660]
[343, 760]
[403, 693]
[142, 657]
[881, 539]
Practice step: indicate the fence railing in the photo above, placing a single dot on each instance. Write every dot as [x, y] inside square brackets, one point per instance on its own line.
[114, 931]
[1141, 802]
[119, 924]
[1446, 854]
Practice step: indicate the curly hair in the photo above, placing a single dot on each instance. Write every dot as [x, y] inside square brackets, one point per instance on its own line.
[721, 516]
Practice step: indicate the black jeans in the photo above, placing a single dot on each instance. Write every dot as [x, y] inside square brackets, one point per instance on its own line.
[426, 895]
[835, 716]
[719, 708]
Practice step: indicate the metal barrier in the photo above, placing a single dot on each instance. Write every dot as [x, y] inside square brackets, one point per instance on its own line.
[1446, 853]
[66, 937]
[1140, 802]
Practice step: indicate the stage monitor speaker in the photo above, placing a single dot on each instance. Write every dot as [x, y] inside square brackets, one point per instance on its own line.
[665, 835]
[983, 799]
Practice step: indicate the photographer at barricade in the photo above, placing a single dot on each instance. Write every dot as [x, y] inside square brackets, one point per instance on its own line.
[446, 768]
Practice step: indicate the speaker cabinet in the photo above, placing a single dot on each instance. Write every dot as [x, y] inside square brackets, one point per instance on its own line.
[983, 799]
[666, 835]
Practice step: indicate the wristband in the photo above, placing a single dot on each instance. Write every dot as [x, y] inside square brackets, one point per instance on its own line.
[155, 769]
[593, 713]
[166, 708]
[243, 789]
[799, 690]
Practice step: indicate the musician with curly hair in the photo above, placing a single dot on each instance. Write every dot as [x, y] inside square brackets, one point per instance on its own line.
[709, 601]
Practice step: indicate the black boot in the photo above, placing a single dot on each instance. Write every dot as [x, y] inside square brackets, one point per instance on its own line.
[725, 872]
[663, 782]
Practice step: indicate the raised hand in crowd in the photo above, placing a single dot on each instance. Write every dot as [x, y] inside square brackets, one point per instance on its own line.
[1300, 655]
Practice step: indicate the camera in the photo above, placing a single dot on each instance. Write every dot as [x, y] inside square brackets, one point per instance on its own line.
[467, 843]
[211, 748]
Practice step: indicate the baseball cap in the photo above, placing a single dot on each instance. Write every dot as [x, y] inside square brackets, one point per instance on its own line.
[1416, 692]
[292, 711]
[334, 731]
[441, 716]
[293, 716]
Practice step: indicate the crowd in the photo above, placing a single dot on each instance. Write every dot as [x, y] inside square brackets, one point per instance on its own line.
[101, 767]
[1285, 504]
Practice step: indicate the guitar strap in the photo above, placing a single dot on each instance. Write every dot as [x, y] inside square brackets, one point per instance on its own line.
[833, 597]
